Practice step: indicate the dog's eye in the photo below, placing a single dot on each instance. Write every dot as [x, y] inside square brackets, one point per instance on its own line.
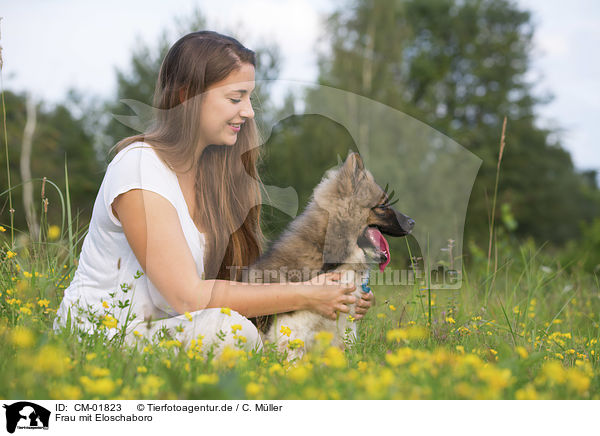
[389, 199]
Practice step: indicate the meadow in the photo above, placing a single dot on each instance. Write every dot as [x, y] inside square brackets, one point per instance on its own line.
[528, 329]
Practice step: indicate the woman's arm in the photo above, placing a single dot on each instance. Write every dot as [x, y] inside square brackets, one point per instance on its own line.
[152, 228]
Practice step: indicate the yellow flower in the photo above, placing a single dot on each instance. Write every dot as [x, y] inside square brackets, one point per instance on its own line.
[527, 393]
[229, 357]
[99, 372]
[104, 386]
[142, 369]
[90, 356]
[554, 372]
[362, 366]
[460, 349]
[170, 343]
[450, 320]
[406, 334]
[207, 379]
[189, 316]
[522, 352]
[253, 389]
[578, 380]
[109, 322]
[381, 315]
[53, 232]
[226, 311]
[295, 343]
[105, 305]
[324, 337]
[67, 392]
[43, 303]
[25, 310]
[350, 318]
[334, 357]
[10, 254]
[150, 385]
[27, 274]
[2, 229]
[396, 335]
[22, 337]
[298, 374]
[276, 368]
[137, 334]
[240, 338]
[392, 308]
[401, 356]
[235, 328]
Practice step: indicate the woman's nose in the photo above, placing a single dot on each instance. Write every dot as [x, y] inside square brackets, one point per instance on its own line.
[247, 111]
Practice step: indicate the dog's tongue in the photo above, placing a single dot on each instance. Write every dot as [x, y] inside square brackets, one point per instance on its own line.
[379, 241]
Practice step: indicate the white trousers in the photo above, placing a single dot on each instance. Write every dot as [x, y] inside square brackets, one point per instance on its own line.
[215, 327]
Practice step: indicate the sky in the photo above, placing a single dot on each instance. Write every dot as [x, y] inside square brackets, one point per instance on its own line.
[50, 46]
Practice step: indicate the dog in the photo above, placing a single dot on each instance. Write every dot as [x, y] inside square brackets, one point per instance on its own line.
[342, 230]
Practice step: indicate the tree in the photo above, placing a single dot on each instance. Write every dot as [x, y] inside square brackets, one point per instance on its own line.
[461, 67]
[58, 136]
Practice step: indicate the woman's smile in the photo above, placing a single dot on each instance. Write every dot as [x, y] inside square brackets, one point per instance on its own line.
[235, 126]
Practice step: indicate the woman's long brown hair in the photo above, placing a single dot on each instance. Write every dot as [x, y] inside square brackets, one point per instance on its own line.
[227, 184]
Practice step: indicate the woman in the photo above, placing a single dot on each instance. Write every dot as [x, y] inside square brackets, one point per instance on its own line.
[178, 211]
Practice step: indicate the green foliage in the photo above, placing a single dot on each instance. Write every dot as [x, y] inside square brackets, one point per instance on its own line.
[295, 156]
[461, 67]
[587, 249]
[58, 136]
[529, 331]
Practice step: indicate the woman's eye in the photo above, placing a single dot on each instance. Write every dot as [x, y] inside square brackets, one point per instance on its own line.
[234, 100]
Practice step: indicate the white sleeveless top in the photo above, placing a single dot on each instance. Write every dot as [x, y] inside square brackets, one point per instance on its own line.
[108, 271]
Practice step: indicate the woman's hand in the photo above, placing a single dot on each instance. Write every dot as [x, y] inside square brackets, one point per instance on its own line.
[327, 295]
[366, 301]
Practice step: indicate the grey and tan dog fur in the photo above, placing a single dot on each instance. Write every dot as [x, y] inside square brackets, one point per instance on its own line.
[338, 231]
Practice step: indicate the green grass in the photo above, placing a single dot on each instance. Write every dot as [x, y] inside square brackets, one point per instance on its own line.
[529, 330]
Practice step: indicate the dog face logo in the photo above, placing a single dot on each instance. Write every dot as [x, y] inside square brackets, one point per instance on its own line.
[26, 415]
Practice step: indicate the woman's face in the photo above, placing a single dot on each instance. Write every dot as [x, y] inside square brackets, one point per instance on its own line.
[226, 106]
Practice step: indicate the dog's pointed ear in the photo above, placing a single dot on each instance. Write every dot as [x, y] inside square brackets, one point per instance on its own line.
[354, 163]
[351, 172]
[355, 168]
